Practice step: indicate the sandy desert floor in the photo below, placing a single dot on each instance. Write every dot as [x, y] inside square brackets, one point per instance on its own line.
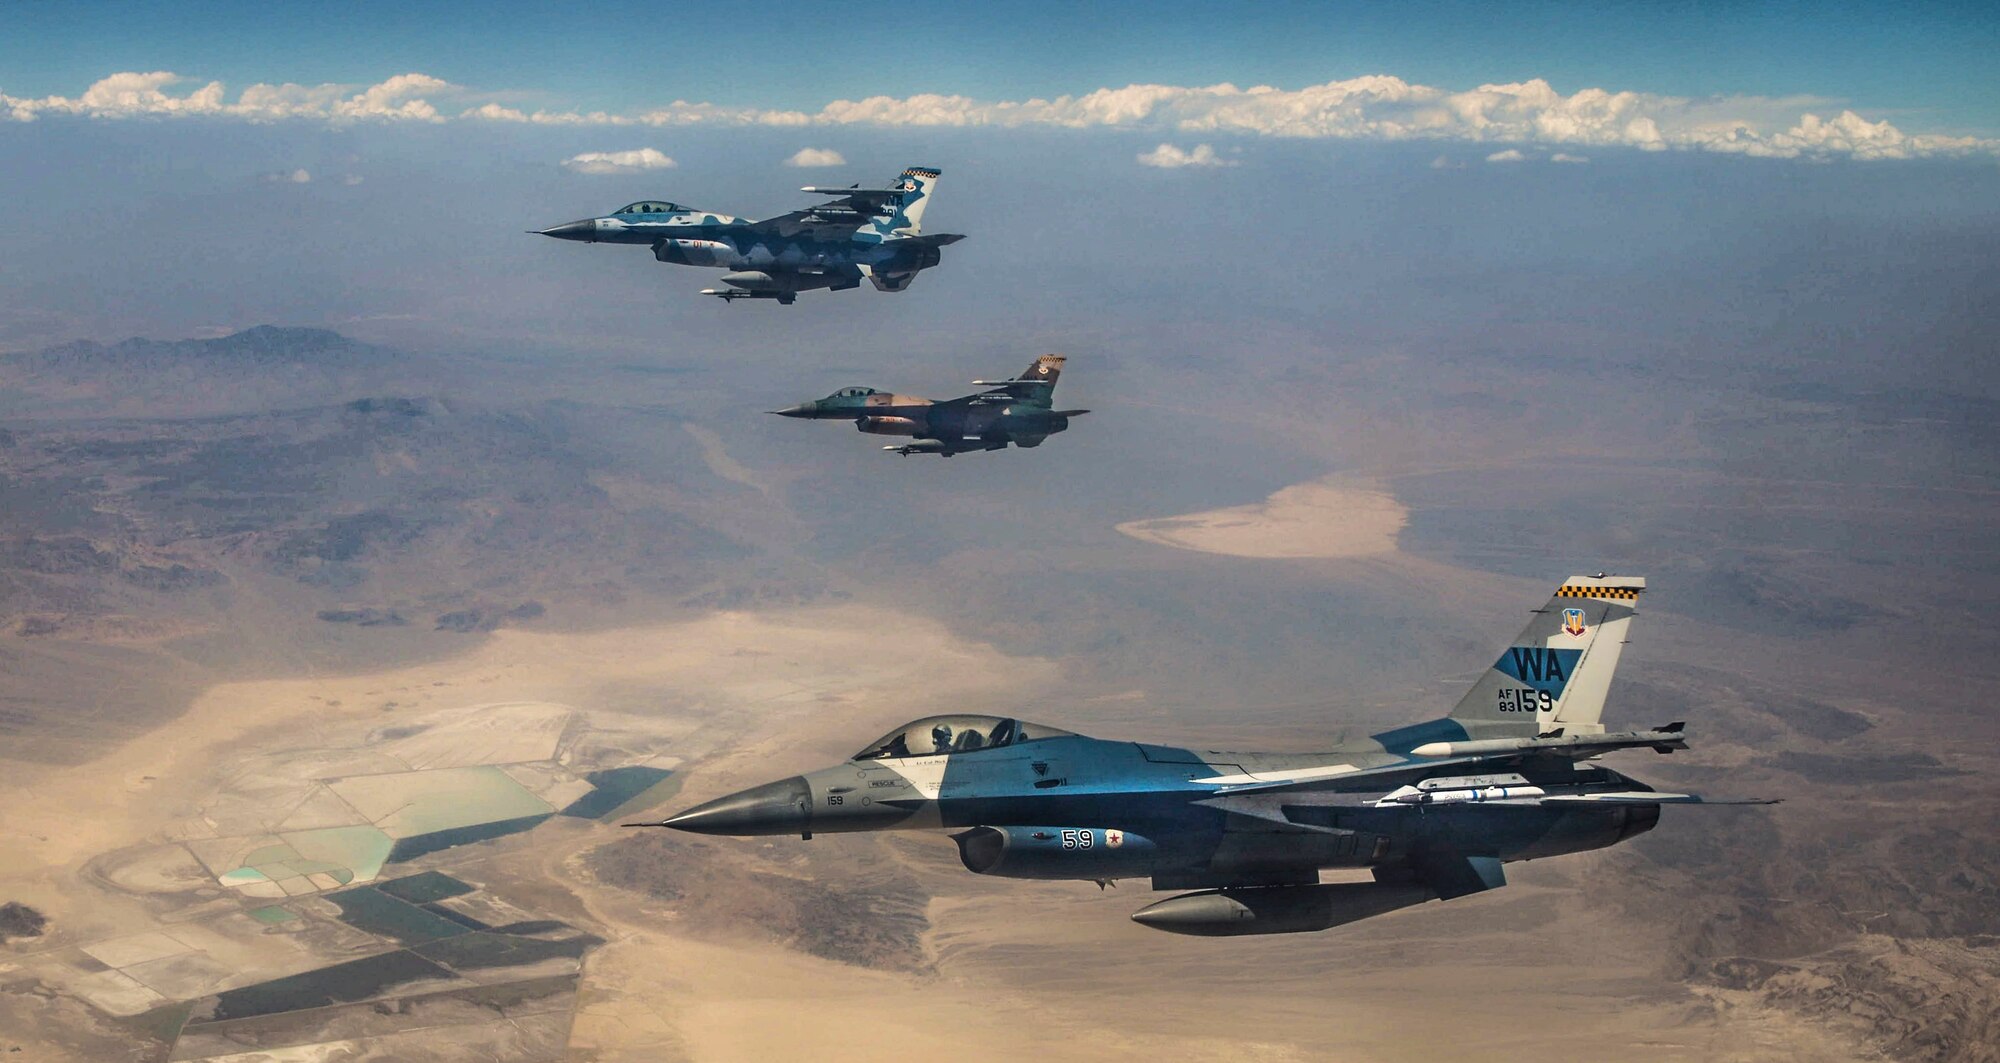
[1333, 517]
[736, 682]
[1052, 970]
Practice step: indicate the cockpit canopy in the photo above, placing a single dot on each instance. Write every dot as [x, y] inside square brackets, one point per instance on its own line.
[955, 734]
[851, 393]
[651, 206]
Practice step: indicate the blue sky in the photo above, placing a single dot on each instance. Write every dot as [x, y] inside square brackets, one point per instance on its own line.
[1930, 67]
[1879, 271]
[1413, 213]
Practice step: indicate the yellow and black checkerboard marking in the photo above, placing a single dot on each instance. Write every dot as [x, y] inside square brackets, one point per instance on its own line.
[1598, 592]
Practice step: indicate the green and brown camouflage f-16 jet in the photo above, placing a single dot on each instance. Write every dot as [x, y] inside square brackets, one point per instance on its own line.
[1019, 411]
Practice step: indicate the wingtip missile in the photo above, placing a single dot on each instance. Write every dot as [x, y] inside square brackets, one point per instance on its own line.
[853, 190]
[1665, 739]
[730, 295]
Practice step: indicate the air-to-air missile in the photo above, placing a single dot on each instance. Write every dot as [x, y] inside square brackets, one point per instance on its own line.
[1428, 811]
[871, 234]
[1018, 411]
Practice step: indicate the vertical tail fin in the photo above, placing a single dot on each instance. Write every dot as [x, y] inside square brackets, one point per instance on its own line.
[906, 216]
[1044, 370]
[1558, 670]
[1036, 386]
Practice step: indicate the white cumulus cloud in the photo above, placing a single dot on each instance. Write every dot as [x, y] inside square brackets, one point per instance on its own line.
[493, 112]
[681, 112]
[618, 161]
[294, 177]
[1529, 113]
[816, 157]
[1169, 157]
[137, 95]
[1510, 155]
[399, 97]
[1564, 156]
[1380, 107]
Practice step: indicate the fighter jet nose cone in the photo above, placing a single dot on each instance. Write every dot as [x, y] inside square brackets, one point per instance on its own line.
[801, 410]
[572, 230]
[774, 808]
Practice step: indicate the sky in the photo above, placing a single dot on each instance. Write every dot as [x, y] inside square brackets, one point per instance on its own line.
[1932, 60]
[1927, 65]
[1706, 183]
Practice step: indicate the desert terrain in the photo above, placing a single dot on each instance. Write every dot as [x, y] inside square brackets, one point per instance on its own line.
[1323, 518]
[470, 616]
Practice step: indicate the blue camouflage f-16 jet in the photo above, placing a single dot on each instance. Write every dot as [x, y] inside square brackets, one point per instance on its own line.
[1433, 810]
[872, 234]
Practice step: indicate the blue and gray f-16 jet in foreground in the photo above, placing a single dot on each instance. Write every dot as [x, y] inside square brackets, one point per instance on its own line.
[1433, 810]
[872, 234]
[1019, 411]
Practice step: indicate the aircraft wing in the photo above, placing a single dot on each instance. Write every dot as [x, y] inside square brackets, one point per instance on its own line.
[854, 197]
[983, 398]
[809, 222]
[1484, 771]
[1489, 753]
[1281, 808]
[847, 210]
[1345, 779]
